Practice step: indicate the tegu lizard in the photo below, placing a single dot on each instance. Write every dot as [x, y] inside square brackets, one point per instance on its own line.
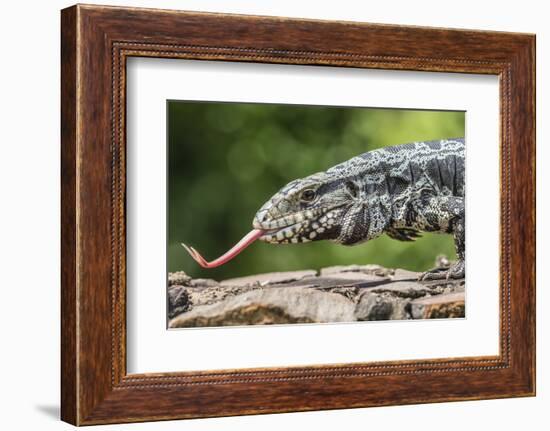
[399, 191]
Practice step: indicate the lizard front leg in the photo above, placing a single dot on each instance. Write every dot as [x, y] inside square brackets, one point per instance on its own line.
[449, 211]
[458, 269]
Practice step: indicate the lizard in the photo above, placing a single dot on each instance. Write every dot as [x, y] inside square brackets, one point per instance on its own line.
[399, 190]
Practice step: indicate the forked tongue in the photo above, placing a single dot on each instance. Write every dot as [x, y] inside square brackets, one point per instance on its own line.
[248, 239]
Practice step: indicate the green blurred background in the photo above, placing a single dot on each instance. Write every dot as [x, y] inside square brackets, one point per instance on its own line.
[226, 159]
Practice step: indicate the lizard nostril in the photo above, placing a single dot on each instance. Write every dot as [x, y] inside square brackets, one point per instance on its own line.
[260, 217]
[263, 217]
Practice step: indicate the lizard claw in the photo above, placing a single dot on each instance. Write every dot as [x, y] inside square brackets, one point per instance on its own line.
[456, 271]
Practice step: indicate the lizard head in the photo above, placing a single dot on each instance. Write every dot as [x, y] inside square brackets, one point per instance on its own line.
[307, 209]
[318, 207]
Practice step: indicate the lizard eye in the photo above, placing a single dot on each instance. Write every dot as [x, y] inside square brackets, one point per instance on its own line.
[352, 188]
[308, 195]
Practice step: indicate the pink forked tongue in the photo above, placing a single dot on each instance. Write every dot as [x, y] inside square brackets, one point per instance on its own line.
[248, 239]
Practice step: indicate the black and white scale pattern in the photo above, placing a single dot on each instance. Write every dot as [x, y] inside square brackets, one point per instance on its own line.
[400, 190]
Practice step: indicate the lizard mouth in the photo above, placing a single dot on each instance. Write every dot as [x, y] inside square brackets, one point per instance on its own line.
[282, 235]
[304, 226]
[285, 221]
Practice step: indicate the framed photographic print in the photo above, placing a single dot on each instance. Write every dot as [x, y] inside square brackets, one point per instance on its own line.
[253, 148]
[265, 215]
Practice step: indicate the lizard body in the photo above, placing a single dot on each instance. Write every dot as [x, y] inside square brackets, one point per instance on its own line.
[399, 190]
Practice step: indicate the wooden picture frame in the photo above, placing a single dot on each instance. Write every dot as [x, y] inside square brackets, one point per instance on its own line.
[96, 41]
